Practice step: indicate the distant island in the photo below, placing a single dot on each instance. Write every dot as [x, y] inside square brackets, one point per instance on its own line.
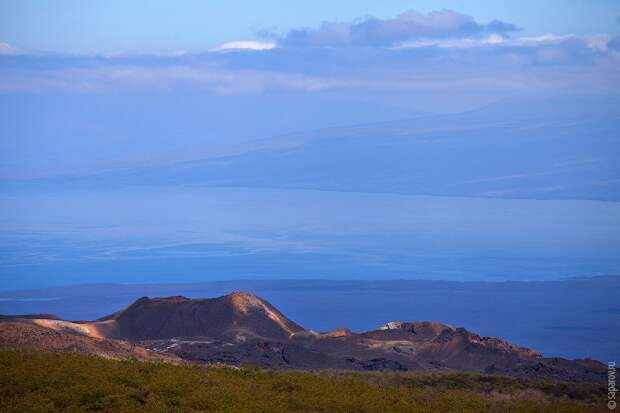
[241, 328]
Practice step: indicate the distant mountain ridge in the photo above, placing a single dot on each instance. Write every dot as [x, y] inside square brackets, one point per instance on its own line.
[243, 328]
[544, 150]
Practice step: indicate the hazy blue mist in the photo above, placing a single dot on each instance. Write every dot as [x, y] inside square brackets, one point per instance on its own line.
[199, 234]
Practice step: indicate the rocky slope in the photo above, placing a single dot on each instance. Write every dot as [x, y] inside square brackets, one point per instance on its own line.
[243, 328]
[23, 334]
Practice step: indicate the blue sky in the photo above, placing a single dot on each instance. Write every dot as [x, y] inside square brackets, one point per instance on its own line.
[119, 26]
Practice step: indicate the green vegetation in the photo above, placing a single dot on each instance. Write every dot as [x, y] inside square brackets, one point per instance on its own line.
[49, 382]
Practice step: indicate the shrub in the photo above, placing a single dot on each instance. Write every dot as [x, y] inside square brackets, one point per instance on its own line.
[46, 382]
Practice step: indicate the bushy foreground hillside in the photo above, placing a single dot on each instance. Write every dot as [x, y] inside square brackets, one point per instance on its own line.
[46, 382]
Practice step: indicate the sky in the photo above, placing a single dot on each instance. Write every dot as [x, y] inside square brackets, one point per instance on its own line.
[453, 56]
[74, 26]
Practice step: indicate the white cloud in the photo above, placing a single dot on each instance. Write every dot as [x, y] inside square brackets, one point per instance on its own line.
[245, 45]
[451, 53]
[7, 49]
[595, 42]
[116, 76]
[407, 26]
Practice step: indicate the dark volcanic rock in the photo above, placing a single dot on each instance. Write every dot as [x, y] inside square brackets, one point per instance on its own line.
[237, 316]
[383, 364]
